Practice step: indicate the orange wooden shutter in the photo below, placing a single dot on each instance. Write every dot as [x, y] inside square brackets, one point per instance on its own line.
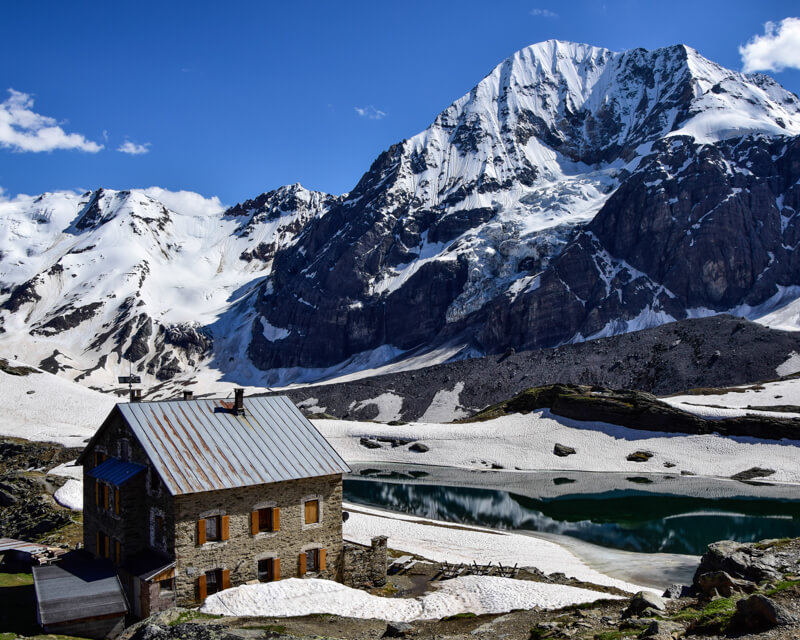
[276, 568]
[224, 533]
[117, 551]
[254, 522]
[312, 513]
[105, 496]
[322, 559]
[99, 548]
[202, 591]
[98, 492]
[276, 519]
[226, 578]
[303, 564]
[116, 500]
[201, 537]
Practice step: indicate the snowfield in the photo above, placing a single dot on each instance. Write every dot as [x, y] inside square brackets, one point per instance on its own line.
[525, 442]
[470, 594]
[43, 407]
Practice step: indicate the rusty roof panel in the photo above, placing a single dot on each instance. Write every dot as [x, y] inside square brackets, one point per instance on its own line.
[202, 445]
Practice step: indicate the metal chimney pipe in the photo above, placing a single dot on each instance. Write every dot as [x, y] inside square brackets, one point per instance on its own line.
[238, 402]
[136, 395]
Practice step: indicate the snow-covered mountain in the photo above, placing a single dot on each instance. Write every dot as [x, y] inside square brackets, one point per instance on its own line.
[574, 192]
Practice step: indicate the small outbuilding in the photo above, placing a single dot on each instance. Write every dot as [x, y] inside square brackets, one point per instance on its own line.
[80, 596]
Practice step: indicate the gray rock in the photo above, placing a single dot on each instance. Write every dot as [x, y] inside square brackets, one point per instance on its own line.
[642, 601]
[662, 630]
[739, 560]
[675, 591]
[397, 630]
[758, 612]
[369, 443]
[723, 584]
[418, 447]
[753, 472]
[639, 456]
[563, 451]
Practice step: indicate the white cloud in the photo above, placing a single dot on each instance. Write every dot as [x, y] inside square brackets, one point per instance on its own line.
[133, 149]
[370, 112]
[22, 129]
[186, 202]
[776, 50]
[543, 13]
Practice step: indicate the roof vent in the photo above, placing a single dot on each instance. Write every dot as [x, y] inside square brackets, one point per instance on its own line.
[238, 402]
[187, 395]
[136, 395]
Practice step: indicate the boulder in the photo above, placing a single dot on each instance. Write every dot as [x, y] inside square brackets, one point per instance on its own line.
[675, 591]
[396, 630]
[369, 443]
[724, 584]
[562, 451]
[662, 630]
[642, 601]
[418, 447]
[758, 613]
[639, 456]
[745, 561]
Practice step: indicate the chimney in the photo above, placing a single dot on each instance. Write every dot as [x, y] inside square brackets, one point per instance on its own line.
[238, 402]
[187, 395]
[136, 395]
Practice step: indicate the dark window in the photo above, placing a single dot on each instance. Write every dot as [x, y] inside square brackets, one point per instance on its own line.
[213, 581]
[265, 573]
[265, 519]
[167, 584]
[103, 545]
[158, 529]
[155, 482]
[124, 450]
[312, 559]
[99, 458]
[212, 529]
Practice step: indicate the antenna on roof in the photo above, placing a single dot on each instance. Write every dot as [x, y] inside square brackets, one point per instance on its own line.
[130, 380]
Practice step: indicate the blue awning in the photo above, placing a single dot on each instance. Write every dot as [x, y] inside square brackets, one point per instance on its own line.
[116, 472]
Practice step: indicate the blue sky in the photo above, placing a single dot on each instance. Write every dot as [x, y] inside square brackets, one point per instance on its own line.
[238, 98]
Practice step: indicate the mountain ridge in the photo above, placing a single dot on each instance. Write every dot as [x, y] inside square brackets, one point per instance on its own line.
[512, 221]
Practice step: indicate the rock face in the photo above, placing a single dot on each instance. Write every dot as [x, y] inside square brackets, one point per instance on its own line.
[562, 451]
[743, 561]
[758, 612]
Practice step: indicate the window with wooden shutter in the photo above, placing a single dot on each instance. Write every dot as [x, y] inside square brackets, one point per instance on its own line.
[254, 522]
[312, 512]
[103, 545]
[201, 533]
[321, 559]
[98, 493]
[105, 497]
[202, 590]
[302, 562]
[224, 531]
[116, 500]
[226, 579]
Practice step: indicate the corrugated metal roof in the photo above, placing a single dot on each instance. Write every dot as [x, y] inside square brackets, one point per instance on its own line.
[115, 471]
[202, 445]
[77, 591]
[9, 544]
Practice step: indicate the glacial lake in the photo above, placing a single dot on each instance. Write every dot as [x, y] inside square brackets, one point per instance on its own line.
[642, 513]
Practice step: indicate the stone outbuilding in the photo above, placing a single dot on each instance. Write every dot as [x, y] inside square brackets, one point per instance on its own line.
[191, 497]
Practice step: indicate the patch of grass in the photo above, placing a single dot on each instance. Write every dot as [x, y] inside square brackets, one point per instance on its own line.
[775, 543]
[783, 585]
[458, 616]
[192, 615]
[269, 628]
[18, 604]
[712, 618]
[387, 590]
[615, 635]
[15, 579]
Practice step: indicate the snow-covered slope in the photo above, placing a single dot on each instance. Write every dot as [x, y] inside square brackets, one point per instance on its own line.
[533, 211]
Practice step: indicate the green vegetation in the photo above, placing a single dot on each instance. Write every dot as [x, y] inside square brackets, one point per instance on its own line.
[458, 616]
[783, 585]
[17, 604]
[191, 615]
[712, 618]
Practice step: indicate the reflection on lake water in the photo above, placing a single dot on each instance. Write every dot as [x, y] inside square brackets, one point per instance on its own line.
[636, 515]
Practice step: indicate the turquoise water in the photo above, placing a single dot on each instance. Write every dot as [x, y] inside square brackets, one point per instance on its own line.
[623, 517]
